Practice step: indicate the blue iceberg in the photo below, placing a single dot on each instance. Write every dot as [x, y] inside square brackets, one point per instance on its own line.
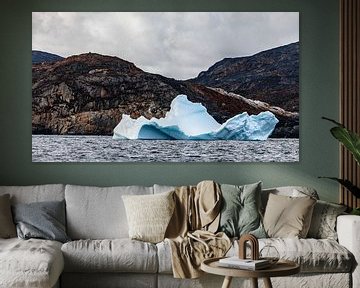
[191, 121]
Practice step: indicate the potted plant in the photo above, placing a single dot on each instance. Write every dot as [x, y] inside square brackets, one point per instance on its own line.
[351, 141]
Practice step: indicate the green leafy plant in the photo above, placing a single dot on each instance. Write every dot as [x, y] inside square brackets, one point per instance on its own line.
[351, 141]
[356, 211]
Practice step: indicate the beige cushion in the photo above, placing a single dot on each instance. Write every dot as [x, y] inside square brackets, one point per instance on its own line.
[287, 217]
[30, 263]
[98, 212]
[110, 255]
[292, 191]
[149, 215]
[7, 226]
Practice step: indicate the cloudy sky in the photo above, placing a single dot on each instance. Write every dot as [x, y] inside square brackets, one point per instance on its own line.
[176, 44]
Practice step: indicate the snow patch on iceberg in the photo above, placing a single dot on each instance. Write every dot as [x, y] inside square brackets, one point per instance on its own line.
[191, 121]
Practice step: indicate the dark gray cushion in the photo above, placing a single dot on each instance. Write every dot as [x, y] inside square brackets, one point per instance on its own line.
[44, 220]
[240, 213]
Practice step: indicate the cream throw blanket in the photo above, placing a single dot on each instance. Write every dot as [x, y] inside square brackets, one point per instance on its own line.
[191, 231]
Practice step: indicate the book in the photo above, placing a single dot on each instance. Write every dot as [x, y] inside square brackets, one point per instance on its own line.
[248, 264]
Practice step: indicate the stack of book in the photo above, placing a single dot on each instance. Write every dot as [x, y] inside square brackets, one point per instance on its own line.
[248, 264]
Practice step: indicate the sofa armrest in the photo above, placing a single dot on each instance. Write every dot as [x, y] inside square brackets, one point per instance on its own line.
[348, 230]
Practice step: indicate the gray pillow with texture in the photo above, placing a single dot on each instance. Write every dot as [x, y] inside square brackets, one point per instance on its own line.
[43, 220]
[7, 226]
[240, 213]
[323, 222]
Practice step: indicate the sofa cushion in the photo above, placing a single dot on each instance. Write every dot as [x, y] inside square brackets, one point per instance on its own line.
[313, 255]
[287, 216]
[291, 191]
[35, 193]
[109, 280]
[43, 220]
[98, 213]
[7, 226]
[164, 257]
[323, 222]
[149, 215]
[30, 263]
[117, 255]
[163, 188]
[240, 210]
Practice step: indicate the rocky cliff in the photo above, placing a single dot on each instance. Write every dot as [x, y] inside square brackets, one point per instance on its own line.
[40, 57]
[271, 76]
[88, 93]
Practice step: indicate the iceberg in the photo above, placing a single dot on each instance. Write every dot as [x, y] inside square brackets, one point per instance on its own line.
[190, 121]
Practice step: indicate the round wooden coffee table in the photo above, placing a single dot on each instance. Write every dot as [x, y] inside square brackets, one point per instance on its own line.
[281, 268]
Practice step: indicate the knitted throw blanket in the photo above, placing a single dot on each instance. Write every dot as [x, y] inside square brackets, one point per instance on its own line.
[191, 232]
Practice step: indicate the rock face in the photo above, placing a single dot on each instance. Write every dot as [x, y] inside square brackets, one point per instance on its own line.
[288, 125]
[40, 57]
[88, 93]
[271, 76]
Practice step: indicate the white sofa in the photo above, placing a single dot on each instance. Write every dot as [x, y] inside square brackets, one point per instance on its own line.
[101, 255]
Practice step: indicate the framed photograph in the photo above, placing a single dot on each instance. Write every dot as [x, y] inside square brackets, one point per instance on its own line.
[165, 86]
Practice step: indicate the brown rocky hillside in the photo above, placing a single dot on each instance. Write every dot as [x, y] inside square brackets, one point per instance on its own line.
[271, 76]
[88, 93]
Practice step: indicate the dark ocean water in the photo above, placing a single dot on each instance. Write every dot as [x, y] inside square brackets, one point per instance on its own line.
[55, 148]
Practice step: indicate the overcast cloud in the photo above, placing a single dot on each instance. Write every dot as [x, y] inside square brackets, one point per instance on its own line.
[178, 45]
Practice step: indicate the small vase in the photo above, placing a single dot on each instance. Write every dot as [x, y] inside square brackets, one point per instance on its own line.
[270, 253]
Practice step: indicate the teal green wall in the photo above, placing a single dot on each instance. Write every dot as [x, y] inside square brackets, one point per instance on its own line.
[318, 97]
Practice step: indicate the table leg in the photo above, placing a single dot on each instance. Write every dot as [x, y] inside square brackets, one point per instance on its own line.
[254, 282]
[267, 283]
[227, 282]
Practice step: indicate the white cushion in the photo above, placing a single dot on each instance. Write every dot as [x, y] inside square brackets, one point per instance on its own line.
[98, 213]
[30, 263]
[164, 257]
[117, 255]
[35, 193]
[163, 188]
[293, 191]
[313, 255]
